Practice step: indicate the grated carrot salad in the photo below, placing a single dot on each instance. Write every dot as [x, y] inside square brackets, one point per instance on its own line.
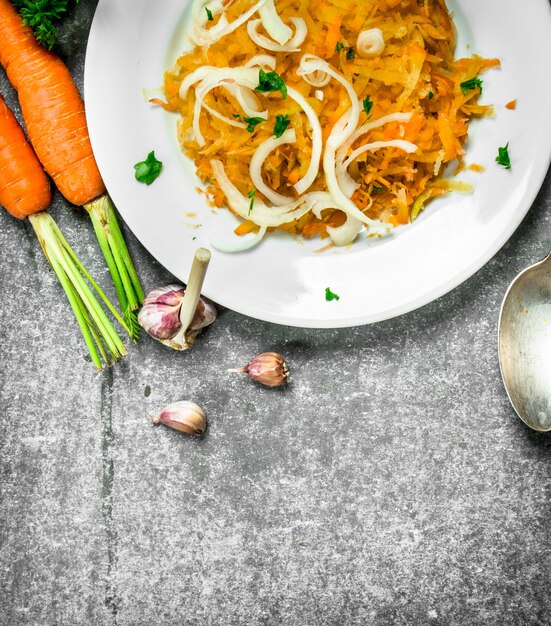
[415, 73]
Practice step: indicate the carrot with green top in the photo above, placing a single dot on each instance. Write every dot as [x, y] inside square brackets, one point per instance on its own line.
[25, 193]
[55, 119]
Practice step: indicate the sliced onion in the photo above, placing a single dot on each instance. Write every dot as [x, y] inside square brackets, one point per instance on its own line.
[244, 96]
[243, 76]
[262, 215]
[199, 35]
[223, 118]
[340, 235]
[346, 182]
[196, 76]
[265, 61]
[203, 37]
[293, 45]
[260, 155]
[317, 141]
[311, 64]
[341, 132]
[403, 118]
[246, 100]
[273, 24]
[240, 244]
[370, 43]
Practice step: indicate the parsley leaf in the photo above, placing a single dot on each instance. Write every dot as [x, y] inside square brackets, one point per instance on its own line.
[378, 190]
[431, 95]
[252, 122]
[209, 14]
[329, 295]
[41, 17]
[368, 105]
[251, 195]
[503, 157]
[271, 81]
[470, 84]
[339, 47]
[350, 54]
[282, 121]
[148, 170]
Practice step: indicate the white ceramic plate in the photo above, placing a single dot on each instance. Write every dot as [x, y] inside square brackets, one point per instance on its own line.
[282, 281]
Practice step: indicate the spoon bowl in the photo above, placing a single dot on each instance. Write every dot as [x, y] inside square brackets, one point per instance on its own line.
[525, 345]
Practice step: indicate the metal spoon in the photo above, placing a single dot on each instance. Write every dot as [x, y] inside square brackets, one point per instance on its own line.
[525, 344]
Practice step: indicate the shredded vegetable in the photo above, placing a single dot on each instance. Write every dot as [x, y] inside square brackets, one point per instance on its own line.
[366, 136]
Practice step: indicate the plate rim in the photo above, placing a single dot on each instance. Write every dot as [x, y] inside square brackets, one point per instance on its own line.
[539, 170]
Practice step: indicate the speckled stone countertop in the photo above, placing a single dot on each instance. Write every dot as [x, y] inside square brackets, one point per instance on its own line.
[391, 483]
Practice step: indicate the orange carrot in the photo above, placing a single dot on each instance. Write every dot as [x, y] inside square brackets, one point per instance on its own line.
[24, 188]
[52, 109]
[25, 192]
[54, 115]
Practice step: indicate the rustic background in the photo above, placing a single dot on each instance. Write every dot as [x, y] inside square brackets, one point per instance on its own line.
[390, 483]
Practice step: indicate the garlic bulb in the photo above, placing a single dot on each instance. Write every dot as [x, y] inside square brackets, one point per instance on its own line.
[268, 368]
[175, 315]
[185, 416]
[370, 43]
[160, 317]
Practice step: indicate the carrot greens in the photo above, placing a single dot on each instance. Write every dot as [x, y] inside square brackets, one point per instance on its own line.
[42, 15]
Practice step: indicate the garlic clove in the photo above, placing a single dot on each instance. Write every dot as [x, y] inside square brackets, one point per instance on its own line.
[160, 313]
[268, 368]
[185, 416]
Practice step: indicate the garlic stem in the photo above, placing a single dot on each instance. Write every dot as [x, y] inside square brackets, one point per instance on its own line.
[193, 287]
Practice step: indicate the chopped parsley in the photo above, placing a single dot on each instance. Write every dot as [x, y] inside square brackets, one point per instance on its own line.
[252, 122]
[209, 14]
[503, 157]
[251, 195]
[339, 47]
[282, 121]
[148, 170]
[378, 190]
[271, 81]
[431, 95]
[236, 115]
[470, 84]
[329, 295]
[350, 54]
[368, 105]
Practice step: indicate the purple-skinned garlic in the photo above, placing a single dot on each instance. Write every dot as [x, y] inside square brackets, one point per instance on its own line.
[268, 368]
[185, 416]
[175, 315]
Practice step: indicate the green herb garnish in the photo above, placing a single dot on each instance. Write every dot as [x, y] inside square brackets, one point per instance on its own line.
[41, 17]
[209, 14]
[378, 190]
[282, 121]
[329, 295]
[470, 84]
[368, 105]
[251, 195]
[271, 81]
[339, 47]
[148, 170]
[503, 157]
[350, 54]
[252, 122]
[431, 95]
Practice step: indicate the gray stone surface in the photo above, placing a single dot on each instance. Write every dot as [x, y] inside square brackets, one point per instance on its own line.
[391, 483]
